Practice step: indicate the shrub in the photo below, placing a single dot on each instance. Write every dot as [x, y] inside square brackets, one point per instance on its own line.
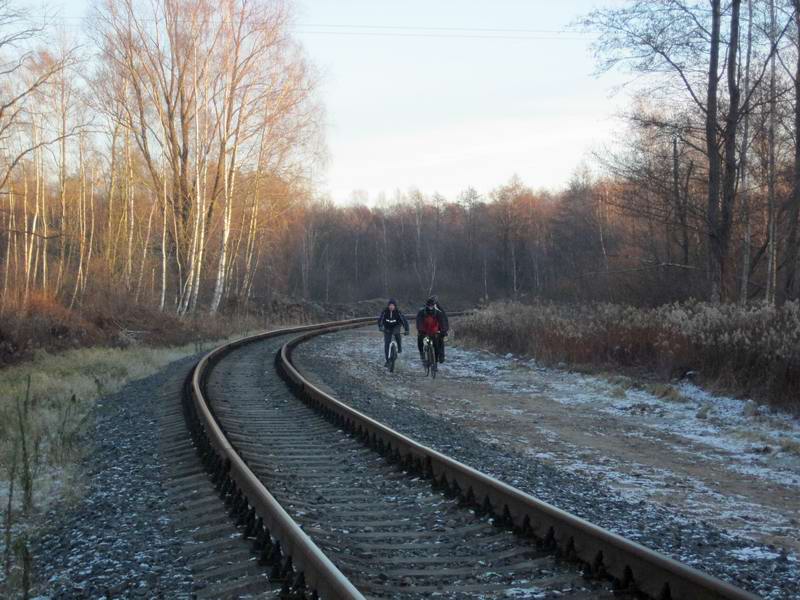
[752, 350]
[43, 324]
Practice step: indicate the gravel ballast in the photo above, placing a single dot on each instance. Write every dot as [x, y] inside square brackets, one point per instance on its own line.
[118, 539]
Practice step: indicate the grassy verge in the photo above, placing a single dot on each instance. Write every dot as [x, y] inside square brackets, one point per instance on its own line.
[750, 351]
[45, 413]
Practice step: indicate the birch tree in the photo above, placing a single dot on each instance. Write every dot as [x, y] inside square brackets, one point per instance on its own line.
[201, 93]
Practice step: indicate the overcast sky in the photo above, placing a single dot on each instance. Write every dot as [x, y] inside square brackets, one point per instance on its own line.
[445, 94]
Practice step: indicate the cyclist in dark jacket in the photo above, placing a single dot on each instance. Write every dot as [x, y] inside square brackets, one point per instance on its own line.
[432, 321]
[389, 323]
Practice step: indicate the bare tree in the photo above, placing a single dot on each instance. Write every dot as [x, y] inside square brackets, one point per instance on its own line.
[24, 70]
[793, 212]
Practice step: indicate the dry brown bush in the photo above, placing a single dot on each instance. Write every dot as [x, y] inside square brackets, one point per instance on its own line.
[752, 350]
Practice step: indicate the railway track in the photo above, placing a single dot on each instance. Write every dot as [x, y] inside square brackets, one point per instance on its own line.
[337, 505]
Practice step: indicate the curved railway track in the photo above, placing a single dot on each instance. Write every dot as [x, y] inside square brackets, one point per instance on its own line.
[337, 505]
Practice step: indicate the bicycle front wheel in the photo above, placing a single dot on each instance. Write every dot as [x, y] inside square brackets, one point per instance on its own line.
[430, 360]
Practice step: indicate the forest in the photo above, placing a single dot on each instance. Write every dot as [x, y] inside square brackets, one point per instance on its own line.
[172, 162]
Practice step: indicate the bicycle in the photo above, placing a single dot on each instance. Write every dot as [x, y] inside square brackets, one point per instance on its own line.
[392, 354]
[429, 353]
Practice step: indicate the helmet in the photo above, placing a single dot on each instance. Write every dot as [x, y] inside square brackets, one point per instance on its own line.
[431, 301]
[392, 301]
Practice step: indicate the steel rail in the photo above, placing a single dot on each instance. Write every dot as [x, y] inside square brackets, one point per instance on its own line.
[602, 553]
[294, 557]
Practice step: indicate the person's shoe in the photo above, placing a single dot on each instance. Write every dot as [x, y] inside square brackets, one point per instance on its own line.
[386, 364]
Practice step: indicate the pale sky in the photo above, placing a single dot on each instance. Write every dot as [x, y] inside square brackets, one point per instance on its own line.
[441, 95]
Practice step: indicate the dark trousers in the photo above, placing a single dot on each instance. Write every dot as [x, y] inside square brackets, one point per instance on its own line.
[387, 339]
[438, 345]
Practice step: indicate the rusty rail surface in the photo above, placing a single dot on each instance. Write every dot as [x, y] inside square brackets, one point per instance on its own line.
[601, 553]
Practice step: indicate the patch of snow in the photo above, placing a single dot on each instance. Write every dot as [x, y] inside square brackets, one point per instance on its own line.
[533, 593]
[754, 553]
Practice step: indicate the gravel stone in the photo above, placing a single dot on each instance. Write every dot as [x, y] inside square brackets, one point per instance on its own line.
[118, 539]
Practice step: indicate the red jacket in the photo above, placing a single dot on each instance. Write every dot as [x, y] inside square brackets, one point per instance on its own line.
[431, 324]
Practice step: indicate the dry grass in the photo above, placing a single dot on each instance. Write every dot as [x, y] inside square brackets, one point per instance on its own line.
[113, 321]
[619, 392]
[64, 387]
[752, 351]
[790, 445]
[665, 391]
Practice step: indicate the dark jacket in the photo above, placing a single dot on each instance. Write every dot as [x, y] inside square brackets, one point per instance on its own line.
[439, 315]
[392, 319]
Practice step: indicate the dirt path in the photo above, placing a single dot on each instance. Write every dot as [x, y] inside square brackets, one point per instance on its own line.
[713, 459]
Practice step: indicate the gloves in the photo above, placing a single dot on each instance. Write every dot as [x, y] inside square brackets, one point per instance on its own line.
[444, 335]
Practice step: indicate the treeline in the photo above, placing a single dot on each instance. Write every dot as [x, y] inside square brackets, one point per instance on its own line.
[514, 242]
[170, 165]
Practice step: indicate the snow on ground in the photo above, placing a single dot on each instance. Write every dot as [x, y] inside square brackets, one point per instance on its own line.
[732, 440]
[752, 440]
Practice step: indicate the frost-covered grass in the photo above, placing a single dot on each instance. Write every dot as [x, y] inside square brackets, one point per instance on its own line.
[45, 406]
[63, 390]
[753, 350]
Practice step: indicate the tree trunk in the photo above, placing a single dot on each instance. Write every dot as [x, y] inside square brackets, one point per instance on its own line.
[81, 225]
[62, 184]
[145, 244]
[744, 192]
[28, 240]
[7, 262]
[729, 133]
[110, 246]
[163, 301]
[769, 289]
[790, 286]
[714, 247]
[129, 194]
[385, 270]
[90, 245]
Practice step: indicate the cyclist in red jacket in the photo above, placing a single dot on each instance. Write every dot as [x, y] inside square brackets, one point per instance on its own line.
[432, 321]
